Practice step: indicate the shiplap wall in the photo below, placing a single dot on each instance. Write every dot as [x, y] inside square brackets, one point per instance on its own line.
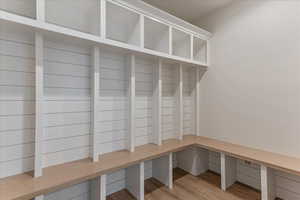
[17, 96]
[168, 105]
[143, 100]
[188, 100]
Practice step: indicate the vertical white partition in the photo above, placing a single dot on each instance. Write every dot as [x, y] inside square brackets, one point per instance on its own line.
[193, 160]
[179, 103]
[228, 171]
[200, 50]
[98, 188]
[131, 99]
[197, 102]
[162, 170]
[135, 180]
[157, 98]
[267, 183]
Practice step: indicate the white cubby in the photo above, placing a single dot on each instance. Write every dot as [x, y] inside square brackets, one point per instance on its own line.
[26, 8]
[81, 15]
[156, 36]
[130, 179]
[181, 43]
[122, 24]
[200, 50]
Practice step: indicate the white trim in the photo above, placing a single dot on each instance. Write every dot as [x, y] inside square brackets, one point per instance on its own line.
[170, 40]
[142, 31]
[103, 19]
[95, 82]
[40, 10]
[39, 100]
[179, 97]
[157, 90]
[131, 96]
[197, 102]
[55, 29]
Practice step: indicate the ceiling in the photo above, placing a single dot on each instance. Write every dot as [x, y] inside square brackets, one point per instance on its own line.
[189, 10]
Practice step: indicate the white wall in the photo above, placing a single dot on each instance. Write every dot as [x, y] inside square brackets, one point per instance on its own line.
[250, 94]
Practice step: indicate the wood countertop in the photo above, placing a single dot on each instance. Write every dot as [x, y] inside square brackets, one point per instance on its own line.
[24, 187]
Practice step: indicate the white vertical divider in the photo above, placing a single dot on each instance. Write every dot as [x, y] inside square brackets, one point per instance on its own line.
[192, 46]
[179, 103]
[170, 40]
[135, 180]
[95, 83]
[39, 94]
[156, 99]
[131, 98]
[197, 102]
[162, 169]
[103, 19]
[208, 53]
[228, 171]
[267, 183]
[142, 31]
[98, 188]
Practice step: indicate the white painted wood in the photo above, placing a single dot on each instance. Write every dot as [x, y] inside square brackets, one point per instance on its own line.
[228, 171]
[98, 188]
[267, 183]
[157, 95]
[179, 103]
[142, 30]
[40, 10]
[131, 96]
[162, 170]
[39, 100]
[181, 43]
[193, 160]
[192, 46]
[95, 89]
[52, 29]
[197, 102]
[170, 40]
[135, 180]
[103, 19]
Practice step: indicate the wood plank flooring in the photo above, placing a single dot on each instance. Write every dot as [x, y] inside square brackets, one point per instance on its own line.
[187, 187]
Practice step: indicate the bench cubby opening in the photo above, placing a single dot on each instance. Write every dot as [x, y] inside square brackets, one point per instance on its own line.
[128, 181]
[81, 15]
[181, 43]
[122, 24]
[156, 36]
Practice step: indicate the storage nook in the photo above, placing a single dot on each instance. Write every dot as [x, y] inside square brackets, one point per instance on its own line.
[100, 99]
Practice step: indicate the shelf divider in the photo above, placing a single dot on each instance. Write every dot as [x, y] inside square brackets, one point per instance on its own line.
[179, 103]
[131, 98]
[95, 89]
[228, 171]
[135, 180]
[156, 108]
[98, 188]
[163, 170]
[103, 19]
[267, 183]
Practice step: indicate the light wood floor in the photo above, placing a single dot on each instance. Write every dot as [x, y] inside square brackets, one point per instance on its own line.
[188, 187]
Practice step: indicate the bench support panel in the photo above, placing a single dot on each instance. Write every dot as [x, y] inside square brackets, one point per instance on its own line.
[228, 171]
[162, 169]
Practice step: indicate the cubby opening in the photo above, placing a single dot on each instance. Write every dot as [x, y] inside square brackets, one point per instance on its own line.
[81, 15]
[156, 36]
[26, 8]
[126, 183]
[143, 100]
[189, 100]
[200, 50]
[181, 43]
[169, 101]
[122, 24]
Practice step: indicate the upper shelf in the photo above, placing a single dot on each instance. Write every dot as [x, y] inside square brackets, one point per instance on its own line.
[110, 23]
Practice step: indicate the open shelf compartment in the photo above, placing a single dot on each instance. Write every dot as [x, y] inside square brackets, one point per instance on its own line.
[200, 50]
[122, 24]
[156, 36]
[81, 15]
[181, 43]
[26, 8]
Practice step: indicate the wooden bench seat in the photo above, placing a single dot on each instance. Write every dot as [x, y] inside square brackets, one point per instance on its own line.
[58, 177]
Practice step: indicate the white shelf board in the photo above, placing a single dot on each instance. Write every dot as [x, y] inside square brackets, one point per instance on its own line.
[55, 30]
